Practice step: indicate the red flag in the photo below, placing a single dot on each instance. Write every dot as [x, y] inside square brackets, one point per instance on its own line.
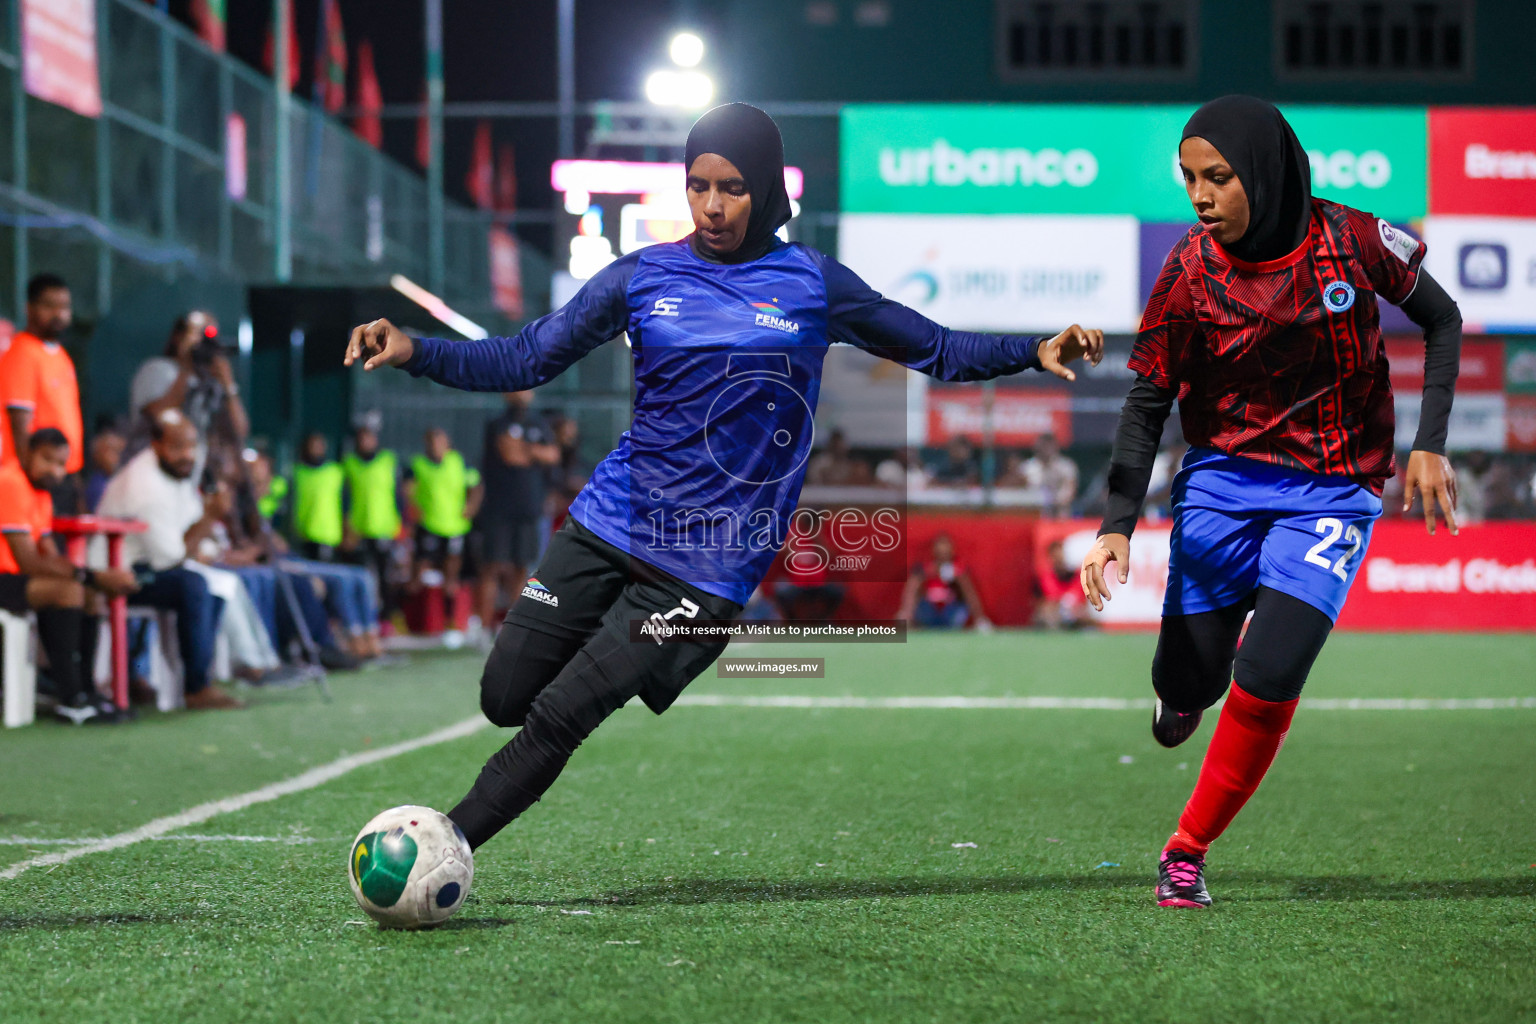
[479, 182]
[331, 59]
[506, 178]
[424, 134]
[268, 52]
[208, 19]
[370, 100]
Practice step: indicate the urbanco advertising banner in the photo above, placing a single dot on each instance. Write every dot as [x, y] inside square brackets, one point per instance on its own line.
[1482, 162]
[1032, 274]
[1488, 264]
[1483, 579]
[1102, 159]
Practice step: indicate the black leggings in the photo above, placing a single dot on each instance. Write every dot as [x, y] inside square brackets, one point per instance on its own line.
[558, 669]
[1197, 655]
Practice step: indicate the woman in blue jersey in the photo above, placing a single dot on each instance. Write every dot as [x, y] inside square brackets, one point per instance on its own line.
[682, 520]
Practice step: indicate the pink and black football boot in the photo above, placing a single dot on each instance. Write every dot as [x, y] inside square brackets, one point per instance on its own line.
[1181, 880]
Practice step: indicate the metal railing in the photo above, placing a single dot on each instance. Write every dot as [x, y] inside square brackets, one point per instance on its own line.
[140, 193]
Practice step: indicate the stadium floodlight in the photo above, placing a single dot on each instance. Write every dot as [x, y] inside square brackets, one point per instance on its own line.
[686, 50]
[437, 307]
[668, 88]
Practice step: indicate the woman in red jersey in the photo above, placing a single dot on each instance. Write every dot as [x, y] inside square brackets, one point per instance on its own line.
[1264, 326]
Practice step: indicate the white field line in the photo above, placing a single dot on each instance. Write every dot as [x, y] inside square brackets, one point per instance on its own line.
[180, 837]
[724, 700]
[157, 830]
[202, 812]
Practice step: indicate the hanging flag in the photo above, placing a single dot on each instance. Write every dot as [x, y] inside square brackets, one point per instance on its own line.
[506, 178]
[506, 272]
[480, 181]
[370, 100]
[268, 53]
[208, 19]
[423, 134]
[330, 59]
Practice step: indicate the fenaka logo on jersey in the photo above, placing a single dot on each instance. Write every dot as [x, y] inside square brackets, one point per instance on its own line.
[666, 307]
[1399, 243]
[1339, 296]
[539, 592]
[769, 315]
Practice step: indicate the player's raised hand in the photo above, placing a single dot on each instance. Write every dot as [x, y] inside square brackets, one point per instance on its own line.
[1070, 345]
[1111, 547]
[380, 343]
[1431, 478]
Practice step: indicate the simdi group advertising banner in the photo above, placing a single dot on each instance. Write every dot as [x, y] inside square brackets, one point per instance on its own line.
[1095, 159]
[1004, 273]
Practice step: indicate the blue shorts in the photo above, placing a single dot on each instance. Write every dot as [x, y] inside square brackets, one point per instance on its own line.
[1240, 524]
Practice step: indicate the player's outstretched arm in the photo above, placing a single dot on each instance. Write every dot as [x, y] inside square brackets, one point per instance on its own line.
[379, 343]
[537, 354]
[1110, 547]
[1070, 345]
[1430, 477]
[861, 316]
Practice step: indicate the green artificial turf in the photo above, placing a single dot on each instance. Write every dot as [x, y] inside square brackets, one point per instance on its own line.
[788, 864]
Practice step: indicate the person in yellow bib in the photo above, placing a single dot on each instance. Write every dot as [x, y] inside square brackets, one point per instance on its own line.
[373, 516]
[318, 522]
[445, 494]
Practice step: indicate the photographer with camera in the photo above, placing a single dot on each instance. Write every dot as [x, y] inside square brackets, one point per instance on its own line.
[195, 378]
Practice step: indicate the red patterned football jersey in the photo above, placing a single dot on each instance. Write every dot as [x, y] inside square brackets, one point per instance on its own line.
[1283, 361]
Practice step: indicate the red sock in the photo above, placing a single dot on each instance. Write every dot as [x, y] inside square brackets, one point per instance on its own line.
[1247, 738]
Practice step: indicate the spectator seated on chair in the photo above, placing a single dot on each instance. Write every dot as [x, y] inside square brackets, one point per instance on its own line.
[156, 487]
[35, 576]
[1062, 604]
[350, 592]
[939, 593]
[289, 604]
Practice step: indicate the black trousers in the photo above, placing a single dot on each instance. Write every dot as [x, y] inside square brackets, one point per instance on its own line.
[1198, 655]
[566, 658]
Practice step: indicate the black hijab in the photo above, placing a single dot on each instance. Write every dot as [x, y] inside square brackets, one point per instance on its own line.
[748, 138]
[1256, 140]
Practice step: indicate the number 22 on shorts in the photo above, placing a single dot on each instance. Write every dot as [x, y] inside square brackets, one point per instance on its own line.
[1332, 530]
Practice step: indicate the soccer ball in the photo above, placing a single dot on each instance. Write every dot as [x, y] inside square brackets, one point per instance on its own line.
[410, 867]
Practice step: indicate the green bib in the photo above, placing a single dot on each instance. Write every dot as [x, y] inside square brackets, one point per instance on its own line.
[277, 493]
[442, 489]
[317, 503]
[374, 514]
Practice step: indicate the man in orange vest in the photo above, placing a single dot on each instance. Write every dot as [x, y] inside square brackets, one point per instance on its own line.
[38, 385]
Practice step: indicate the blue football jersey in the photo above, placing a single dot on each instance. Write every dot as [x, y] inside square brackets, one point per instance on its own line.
[727, 363]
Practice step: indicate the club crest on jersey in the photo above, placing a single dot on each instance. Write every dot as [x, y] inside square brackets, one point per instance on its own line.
[539, 592]
[769, 315]
[1339, 296]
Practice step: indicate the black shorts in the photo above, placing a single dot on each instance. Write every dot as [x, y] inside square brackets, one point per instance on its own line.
[13, 592]
[508, 540]
[585, 584]
[435, 548]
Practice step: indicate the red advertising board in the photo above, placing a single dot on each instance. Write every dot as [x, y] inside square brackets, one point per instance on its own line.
[1019, 417]
[1482, 365]
[1484, 579]
[1482, 161]
[58, 53]
[1520, 423]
